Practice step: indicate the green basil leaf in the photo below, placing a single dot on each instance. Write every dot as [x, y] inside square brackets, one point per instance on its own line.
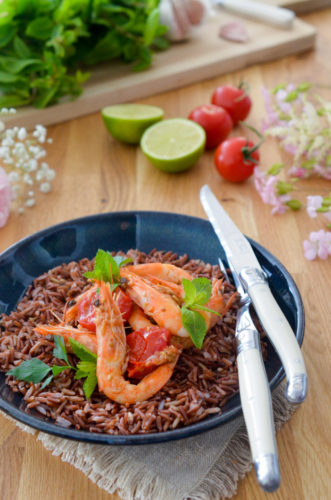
[90, 384]
[7, 31]
[81, 351]
[59, 351]
[59, 369]
[195, 325]
[13, 65]
[200, 307]
[151, 26]
[21, 49]
[31, 370]
[40, 28]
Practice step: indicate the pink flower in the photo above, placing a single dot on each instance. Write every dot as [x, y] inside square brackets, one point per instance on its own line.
[5, 197]
[299, 172]
[266, 185]
[313, 203]
[318, 245]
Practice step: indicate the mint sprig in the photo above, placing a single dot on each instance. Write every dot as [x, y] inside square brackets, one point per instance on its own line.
[34, 370]
[107, 268]
[197, 293]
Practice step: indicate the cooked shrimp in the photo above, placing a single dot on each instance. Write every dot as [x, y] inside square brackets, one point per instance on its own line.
[163, 308]
[85, 337]
[113, 357]
[138, 318]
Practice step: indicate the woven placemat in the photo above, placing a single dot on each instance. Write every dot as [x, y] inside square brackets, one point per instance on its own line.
[203, 467]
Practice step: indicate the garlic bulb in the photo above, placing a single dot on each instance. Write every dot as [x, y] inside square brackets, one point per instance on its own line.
[181, 15]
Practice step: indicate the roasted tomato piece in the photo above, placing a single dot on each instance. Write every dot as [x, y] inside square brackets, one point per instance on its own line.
[143, 344]
[86, 312]
[124, 303]
[86, 308]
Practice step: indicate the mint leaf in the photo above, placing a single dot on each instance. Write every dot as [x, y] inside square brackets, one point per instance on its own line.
[59, 369]
[82, 352]
[195, 325]
[121, 261]
[90, 384]
[203, 290]
[59, 351]
[31, 370]
[107, 268]
[190, 291]
[84, 368]
[200, 307]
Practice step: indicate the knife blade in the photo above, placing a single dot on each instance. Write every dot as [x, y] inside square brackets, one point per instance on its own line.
[254, 282]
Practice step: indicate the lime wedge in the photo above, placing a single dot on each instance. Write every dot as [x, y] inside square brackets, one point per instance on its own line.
[127, 122]
[174, 145]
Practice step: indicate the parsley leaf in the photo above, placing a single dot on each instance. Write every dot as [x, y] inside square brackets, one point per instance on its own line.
[90, 384]
[197, 293]
[107, 268]
[59, 351]
[82, 352]
[31, 370]
[34, 370]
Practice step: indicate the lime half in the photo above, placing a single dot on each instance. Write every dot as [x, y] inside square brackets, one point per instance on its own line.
[174, 145]
[127, 122]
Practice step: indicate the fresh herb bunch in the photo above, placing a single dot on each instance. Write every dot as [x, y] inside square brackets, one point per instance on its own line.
[34, 370]
[46, 45]
[107, 268]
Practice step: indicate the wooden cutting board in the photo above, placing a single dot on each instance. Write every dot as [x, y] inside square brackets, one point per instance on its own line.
[204, 56]
[301, 6]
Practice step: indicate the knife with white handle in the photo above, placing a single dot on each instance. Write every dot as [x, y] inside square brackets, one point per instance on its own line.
[271, 14]
[252, 277]
[255, 393]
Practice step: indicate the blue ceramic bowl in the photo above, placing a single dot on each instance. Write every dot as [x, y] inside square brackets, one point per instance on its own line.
[73, 240]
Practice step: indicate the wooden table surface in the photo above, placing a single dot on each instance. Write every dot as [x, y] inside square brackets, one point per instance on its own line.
[96, 174]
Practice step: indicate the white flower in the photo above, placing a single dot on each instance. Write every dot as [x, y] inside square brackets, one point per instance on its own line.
[45, 187]
[21, 134]
[313, 203]
[50, 174]
[30, 202]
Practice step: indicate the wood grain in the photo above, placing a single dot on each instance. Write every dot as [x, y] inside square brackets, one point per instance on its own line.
[96, 174]
[204, 56]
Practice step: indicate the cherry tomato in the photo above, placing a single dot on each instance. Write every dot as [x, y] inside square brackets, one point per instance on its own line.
[236, 158]
[216, 122]
[143, 344]
[86, 312]
[234, 100]
[86, 308]
[124, 303]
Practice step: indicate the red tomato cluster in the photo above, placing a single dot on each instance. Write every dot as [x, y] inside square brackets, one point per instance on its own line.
[234, 157]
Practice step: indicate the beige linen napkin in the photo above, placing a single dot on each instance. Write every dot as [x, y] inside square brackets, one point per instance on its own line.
[203, 467]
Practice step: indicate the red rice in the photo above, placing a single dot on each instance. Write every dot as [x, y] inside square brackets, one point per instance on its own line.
[201, 384]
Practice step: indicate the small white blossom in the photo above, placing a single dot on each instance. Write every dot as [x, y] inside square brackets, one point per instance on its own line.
[14, 177]
[45, 187]
[31, 193]
[31, 165]
[50, 174]
[3, 126]
[40, 175]
[21, 134]
[21, 210]
[30, 202]
[27, 179]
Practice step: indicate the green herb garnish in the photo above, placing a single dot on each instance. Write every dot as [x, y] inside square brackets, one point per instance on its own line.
[197, 293]
[107, 268]
[34, 370]
[45, 44]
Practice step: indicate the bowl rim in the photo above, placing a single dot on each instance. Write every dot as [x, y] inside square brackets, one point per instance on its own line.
[50, 427]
